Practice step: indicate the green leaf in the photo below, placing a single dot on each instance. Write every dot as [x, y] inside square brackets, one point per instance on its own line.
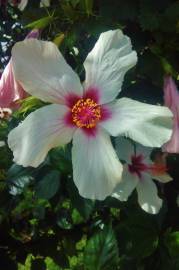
[149, 17]
[59, 39]
[74, 3]
[38, 264]
[118, 11]
[144, 242]
[84, 206]
[171, 18]
[51, 265]
[150, 66]
[29, 104]
[41, 23]
[87, 6]
[168, 68]
[27, 265]
[76, 217]
[69, 11]
[16, 171]
[138, 235]
[64, 220]
[60, 159]
[101, 252]
[39, 212]
[18, 185]
[172, 243]
[18, 178]
[48, 186]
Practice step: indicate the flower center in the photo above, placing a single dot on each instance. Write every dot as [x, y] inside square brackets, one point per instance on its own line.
[86, 113]
[158, 169]
[137, 165]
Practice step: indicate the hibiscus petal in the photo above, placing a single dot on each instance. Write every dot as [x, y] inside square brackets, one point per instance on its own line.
[41, 131]
[164, 178]
[22, 5]
[107, 63]
[172, 146]
[43, 72]
[96, 168]
[10, 90]
[35, 33]
[124, 149]
[145, 152]
[149, 125]
[147, 195]
[171, 98]
[171, 95]
[128, 183]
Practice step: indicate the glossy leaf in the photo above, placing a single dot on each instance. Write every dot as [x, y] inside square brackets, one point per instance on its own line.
[48, 186]
[101, 252]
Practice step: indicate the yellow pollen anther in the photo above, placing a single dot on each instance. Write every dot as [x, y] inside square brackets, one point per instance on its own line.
[86, 113]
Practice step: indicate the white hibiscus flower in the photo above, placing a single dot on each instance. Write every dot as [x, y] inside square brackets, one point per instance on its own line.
[138, 173]
[87, 114]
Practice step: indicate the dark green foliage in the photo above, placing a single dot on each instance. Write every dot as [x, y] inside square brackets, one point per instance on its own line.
[48, 186]
[101, 252]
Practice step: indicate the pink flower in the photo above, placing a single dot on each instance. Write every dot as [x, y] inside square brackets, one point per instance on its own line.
[10, 89]
[171, 98]
[33, 34]
[85, 113]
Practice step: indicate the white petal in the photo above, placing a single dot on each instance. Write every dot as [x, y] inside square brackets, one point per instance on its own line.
[146, 124]
[147, 195]
[96, 168]
[41, 131]
[107, 63]
[128, 183]
[145, 151]
[164, 178]
[43, 72]
[44, 3]
[2, 143]
[22, 4]
[124, 149]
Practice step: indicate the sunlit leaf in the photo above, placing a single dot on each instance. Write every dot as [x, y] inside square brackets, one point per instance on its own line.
[41, 23]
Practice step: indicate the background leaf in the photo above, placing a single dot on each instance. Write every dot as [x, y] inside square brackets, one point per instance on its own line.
[101, 252]
[48, 186]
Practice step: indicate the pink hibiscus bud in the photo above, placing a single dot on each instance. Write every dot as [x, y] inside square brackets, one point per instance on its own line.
[33, 34]
[10, 89]
[171, 99]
